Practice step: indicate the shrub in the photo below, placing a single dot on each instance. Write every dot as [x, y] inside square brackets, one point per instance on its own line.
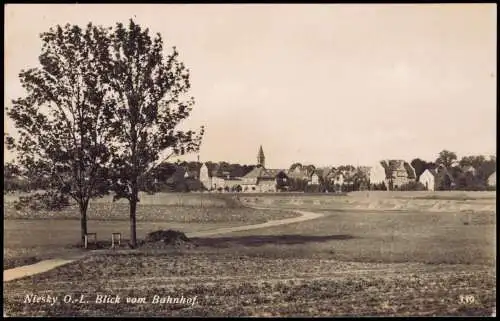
[413, 186]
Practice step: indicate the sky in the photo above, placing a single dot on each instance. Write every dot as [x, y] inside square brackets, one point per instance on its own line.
[322, 84]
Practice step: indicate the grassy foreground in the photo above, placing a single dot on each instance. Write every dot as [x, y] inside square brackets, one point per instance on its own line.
[344, 264]
[347, 263]
[239, 285]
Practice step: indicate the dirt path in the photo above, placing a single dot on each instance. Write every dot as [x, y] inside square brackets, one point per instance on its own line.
[305, 216]
[28, 270]
[47, 265]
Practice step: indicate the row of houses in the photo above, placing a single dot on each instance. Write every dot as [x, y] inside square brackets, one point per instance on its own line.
[397, 173]
[390, 174]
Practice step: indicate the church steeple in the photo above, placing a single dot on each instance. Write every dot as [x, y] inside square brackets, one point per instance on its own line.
[261, 159]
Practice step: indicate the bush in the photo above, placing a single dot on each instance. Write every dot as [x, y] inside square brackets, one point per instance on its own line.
[50, 201]
[166, 236]
[413, 186]
[169, 238]
[314, 189]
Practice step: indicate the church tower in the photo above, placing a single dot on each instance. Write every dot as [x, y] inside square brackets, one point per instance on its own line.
[261, 159]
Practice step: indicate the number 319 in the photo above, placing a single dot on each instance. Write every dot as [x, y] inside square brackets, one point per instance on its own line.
[466, 299]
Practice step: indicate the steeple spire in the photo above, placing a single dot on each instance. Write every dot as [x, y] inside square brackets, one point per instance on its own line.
[261, 159]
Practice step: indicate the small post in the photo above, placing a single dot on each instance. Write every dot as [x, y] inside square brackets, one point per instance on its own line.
[87, 239]
[113, 239]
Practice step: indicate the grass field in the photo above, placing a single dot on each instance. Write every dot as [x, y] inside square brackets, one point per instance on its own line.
[50, 233]
[452, 202]
[348, 263]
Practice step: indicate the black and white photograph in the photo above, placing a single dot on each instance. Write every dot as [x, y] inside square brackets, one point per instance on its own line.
[250, 160]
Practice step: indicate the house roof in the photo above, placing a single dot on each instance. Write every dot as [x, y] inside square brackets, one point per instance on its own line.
[410, 170]
[259, 172]
[274, 172]
[393, 165]
[263, 173]
[440, 171]
[317, 171]
[298, 173]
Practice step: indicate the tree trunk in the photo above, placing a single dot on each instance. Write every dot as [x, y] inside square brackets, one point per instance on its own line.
[83, 222]
[133, 235]
[133, 211]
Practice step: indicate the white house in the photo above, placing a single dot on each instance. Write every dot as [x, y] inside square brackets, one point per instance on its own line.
[338, 179]
[205, 177]
[441, 178]
[492, 179]
[428, 179]
[314, 179]
[377, 174]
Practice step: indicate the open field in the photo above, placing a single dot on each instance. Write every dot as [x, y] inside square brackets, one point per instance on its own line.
[351, 262]
[452, 202]
[50, 233]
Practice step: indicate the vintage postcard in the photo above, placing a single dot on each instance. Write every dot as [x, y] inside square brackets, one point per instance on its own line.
[246, 160]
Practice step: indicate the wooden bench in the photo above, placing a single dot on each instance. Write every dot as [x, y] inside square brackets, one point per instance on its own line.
[87, 238]
[119, 235]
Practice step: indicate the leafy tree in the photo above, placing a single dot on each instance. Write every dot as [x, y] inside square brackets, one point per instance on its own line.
[282, 182]
[474, 161]
[420, 166]
[11, 170]
[237, 170]
[446, 158]
[149, 92]
[487, 168]
[63, 120]
[13, 180]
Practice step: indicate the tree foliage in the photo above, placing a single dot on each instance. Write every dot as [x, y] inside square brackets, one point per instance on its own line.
[420, 166]
[62, 121]
[149, 95]
[446, 158]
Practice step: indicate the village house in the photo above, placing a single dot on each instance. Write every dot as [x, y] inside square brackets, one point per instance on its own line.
[336, 179]
[315, 178]
[377, 174]
[398, 173]
[492, 180]
[259, 179]
[428, 179]
[205, 177]
[438, 178]
[329, 176]
[216, 179]
[299, 173]
[339, 178]
[263, 180]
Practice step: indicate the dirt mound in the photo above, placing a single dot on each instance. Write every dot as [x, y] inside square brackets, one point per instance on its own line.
[167, 238]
